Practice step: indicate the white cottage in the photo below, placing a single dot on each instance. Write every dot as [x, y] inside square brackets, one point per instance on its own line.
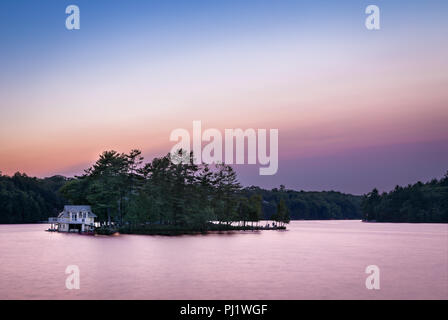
[74, 219]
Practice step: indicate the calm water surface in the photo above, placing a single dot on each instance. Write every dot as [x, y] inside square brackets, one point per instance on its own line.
[312, 260]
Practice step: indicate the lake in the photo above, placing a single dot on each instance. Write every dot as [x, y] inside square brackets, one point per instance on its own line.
[311, 260]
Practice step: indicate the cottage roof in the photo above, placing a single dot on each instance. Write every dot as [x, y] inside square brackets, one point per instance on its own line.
[75, 209]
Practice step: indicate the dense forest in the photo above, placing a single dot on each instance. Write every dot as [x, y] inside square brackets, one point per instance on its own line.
[123, 189]
[25, 200]
[302, 205]
[420, 202]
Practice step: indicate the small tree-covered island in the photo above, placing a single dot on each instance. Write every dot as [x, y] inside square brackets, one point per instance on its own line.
[166, 197]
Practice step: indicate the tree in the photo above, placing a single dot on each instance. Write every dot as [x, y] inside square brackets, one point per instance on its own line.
[107, 179]
[255, 205]
[226, 187]
[75, 190]
[369, 205]
[282, 215]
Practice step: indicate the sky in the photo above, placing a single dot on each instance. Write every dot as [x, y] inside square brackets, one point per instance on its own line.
[355, 108]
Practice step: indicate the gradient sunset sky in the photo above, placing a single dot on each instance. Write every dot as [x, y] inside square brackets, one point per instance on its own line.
[355, 109]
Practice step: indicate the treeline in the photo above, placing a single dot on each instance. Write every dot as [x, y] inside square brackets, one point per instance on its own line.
[420, 202]
[325, 205]
[121, 188]
[25, 200]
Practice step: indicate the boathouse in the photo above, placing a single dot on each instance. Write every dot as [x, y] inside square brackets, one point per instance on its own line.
[74, 219]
